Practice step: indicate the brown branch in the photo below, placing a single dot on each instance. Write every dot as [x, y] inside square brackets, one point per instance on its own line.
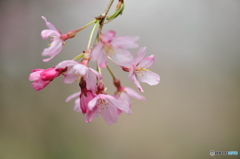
[102, 18]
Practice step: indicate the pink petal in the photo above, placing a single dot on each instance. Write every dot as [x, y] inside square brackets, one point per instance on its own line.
[91, 114]
[48, 24]
[102, 61]
[49, 74]
[97, 51]
[147, 62]
[140, 55]
[77, 105]
[117, 103]
[77, 94]
[133, 93]
[93, 103]
[91, 80]
[149, 77]
[85, 100]
[110, 115]
[131, 72]
[80, 69]
[136, 82]
[119, 112]
[126, 99]
[70, 77]
[66, 63]
[34, 76]
[83, 103]
[125, 42]
[53, 50]
[122, 57]
[108, 36]
[99, 76]
[39, 84]
[46, 33]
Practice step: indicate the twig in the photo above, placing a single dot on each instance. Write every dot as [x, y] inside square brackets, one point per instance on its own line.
[102, 18]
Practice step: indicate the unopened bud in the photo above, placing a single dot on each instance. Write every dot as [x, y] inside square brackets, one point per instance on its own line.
[100, 88]
[125, 69]
[117, 83]
[49, 74]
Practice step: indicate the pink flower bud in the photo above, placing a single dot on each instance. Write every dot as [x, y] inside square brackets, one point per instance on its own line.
[49, 74]
[43, 77]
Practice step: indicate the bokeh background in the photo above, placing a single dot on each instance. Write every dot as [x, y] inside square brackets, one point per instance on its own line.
[193, 110]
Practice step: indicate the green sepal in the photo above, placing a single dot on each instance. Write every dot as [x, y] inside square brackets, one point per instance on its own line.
[116, 13]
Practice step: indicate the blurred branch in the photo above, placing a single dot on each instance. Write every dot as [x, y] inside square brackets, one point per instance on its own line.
[102, 18]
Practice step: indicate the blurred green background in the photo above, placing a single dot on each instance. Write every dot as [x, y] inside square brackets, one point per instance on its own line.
[193, 110]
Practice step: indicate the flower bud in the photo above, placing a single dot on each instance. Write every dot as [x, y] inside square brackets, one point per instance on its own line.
[49, 74]
[100, 88]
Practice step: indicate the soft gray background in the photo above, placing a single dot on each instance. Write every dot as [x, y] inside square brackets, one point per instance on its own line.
[193, 110]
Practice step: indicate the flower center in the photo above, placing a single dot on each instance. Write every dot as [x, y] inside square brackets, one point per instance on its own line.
[102, 104]
[141, 70]
[109, 50]
[51, 40]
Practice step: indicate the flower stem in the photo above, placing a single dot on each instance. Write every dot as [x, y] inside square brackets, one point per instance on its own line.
[118, 11]
[111, 73]
[94, 21]
[91, 35]
[99, 70]
[78, 56]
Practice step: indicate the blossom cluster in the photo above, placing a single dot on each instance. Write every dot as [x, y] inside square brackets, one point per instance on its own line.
[92, 99]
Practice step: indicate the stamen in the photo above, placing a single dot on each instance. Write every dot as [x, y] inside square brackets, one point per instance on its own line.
[109, 50]
[102, 104]
[141, 70]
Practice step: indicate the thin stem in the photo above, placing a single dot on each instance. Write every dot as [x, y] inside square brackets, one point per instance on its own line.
[78, 56]
[110, 71]
[94, 21]
[99, 70]
[91, 35]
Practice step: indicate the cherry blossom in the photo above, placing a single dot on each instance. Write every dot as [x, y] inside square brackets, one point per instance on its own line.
[79, 70]
[139, 70]
[43, 77]
[57, 40]
[115, 48]
[107, 106]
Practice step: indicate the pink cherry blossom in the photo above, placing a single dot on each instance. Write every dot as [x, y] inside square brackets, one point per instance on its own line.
[107, 106]
[115, 48]
[57, 40]
[124, 94]
[79, 70]
[139, 70]
[43, 77]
